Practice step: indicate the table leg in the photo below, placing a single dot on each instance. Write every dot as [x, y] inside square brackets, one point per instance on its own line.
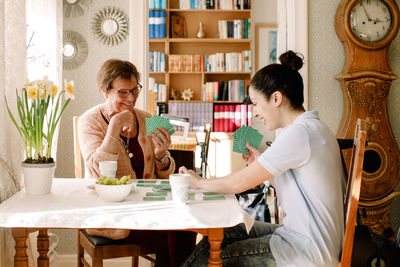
[20, 235]
[215, 237]
[43, 248]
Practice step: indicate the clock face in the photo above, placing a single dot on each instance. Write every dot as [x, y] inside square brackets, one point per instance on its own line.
[370, 20]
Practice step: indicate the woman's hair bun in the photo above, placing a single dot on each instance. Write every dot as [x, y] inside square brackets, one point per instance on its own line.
[292, 59]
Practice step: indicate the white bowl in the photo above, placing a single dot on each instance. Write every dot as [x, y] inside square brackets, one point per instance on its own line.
[113, 193]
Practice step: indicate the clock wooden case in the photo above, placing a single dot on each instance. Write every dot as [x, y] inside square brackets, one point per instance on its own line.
[366, 28]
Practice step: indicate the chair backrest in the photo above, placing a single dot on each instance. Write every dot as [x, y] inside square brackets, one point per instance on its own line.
[207, 137]
[77, 150]
[353, 191]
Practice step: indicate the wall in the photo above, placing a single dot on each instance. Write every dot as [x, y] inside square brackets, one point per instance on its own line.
[326, 59]
[86, 95]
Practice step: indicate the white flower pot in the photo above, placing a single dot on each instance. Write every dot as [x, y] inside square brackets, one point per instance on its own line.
[38, 178]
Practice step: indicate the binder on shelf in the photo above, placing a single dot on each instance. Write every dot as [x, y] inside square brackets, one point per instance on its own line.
[162, 24]
[249, 115]
[152, 25]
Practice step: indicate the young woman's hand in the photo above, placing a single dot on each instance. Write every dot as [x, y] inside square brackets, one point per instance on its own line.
[194, 177]
[161, 142]
[252, 155]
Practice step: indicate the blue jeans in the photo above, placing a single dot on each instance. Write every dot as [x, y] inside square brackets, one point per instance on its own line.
[239, 248]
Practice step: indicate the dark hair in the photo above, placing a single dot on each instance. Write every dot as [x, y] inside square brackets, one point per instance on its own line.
[115, 68]
[283, 77]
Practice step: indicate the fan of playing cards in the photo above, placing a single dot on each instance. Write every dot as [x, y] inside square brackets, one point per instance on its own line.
[243, 135]
[158, 122]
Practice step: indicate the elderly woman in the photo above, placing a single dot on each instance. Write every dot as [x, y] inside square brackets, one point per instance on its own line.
[116, 131]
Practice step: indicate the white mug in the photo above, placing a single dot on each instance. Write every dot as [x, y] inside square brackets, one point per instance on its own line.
[108, 168]
[179, 187]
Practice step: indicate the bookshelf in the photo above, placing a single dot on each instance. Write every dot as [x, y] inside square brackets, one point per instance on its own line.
[190, 62]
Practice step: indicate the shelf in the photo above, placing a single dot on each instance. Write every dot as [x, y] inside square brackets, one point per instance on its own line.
[186, 22]
[156, 72]
[210, 10]
[157, 40]
[199, 101]
[208, 40]
[205, 72]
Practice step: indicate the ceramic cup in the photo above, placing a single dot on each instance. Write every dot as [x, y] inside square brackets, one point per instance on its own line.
[179, 187]
[108, 168]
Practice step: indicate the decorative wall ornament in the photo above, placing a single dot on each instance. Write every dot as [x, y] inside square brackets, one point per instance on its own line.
[75, 8]
[110, 26]
[75, 50]
[187, 94]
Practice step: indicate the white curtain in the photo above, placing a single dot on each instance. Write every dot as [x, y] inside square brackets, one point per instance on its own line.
[13, 74]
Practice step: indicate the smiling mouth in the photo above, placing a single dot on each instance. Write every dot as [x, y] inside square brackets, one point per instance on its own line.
[128, 105]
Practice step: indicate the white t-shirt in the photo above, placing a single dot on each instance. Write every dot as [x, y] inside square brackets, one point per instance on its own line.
[312, 231]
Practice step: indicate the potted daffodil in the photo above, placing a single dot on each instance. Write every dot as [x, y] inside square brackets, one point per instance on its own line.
[40, 105]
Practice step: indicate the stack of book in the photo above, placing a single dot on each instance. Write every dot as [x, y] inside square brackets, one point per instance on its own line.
[156, 61]
[233, 90]
[160, 89]
[219, 62]
[215, 4]
[229, 118]
[184, 63]
[236, 29]
[199, 114]
[157, 24]
[157, 4]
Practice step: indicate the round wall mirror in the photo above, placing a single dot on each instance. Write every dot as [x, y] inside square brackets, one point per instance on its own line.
[75, 50]
[69, 49]
[110, 26]
[75, 8]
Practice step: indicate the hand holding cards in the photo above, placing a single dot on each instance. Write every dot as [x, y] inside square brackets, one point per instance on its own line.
[156, 122]
[243, 135]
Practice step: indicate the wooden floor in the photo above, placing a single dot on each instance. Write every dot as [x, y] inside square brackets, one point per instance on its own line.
[364, 251]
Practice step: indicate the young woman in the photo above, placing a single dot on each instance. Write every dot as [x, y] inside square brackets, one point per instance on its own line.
[303, 163]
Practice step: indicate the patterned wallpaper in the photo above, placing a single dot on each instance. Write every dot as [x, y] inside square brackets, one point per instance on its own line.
[326, 59]
[86, 95]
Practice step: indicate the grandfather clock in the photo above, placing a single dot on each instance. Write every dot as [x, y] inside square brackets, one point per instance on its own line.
[366, 29]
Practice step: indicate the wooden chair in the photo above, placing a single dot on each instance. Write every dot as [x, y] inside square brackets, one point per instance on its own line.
[353, 191]
[100, 248]
[204, 150]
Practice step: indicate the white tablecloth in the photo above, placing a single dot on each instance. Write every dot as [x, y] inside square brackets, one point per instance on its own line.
[72, 204]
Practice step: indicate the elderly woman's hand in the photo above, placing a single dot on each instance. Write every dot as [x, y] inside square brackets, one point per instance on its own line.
[123, 122]
[161, 142]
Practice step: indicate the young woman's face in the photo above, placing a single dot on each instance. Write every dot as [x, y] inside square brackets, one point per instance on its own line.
[265, 110]
[115, 102]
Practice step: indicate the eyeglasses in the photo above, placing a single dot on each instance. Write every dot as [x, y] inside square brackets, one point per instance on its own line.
[125, 92]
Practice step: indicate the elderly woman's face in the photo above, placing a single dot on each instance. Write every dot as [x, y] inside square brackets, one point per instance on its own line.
[115, 102]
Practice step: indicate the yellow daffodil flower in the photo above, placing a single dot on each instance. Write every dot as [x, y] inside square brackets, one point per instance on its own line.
[53, 90]
[32, 92]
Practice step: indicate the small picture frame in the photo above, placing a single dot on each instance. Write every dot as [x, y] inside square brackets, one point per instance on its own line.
[266, 45]
[178, 27]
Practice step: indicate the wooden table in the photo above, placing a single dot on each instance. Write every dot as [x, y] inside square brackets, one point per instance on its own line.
[26, 213]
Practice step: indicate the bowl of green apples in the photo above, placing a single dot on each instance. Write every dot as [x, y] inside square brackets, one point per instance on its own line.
[113, 189]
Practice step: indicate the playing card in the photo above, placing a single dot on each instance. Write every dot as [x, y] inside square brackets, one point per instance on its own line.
[156, 122]
[243, 135]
